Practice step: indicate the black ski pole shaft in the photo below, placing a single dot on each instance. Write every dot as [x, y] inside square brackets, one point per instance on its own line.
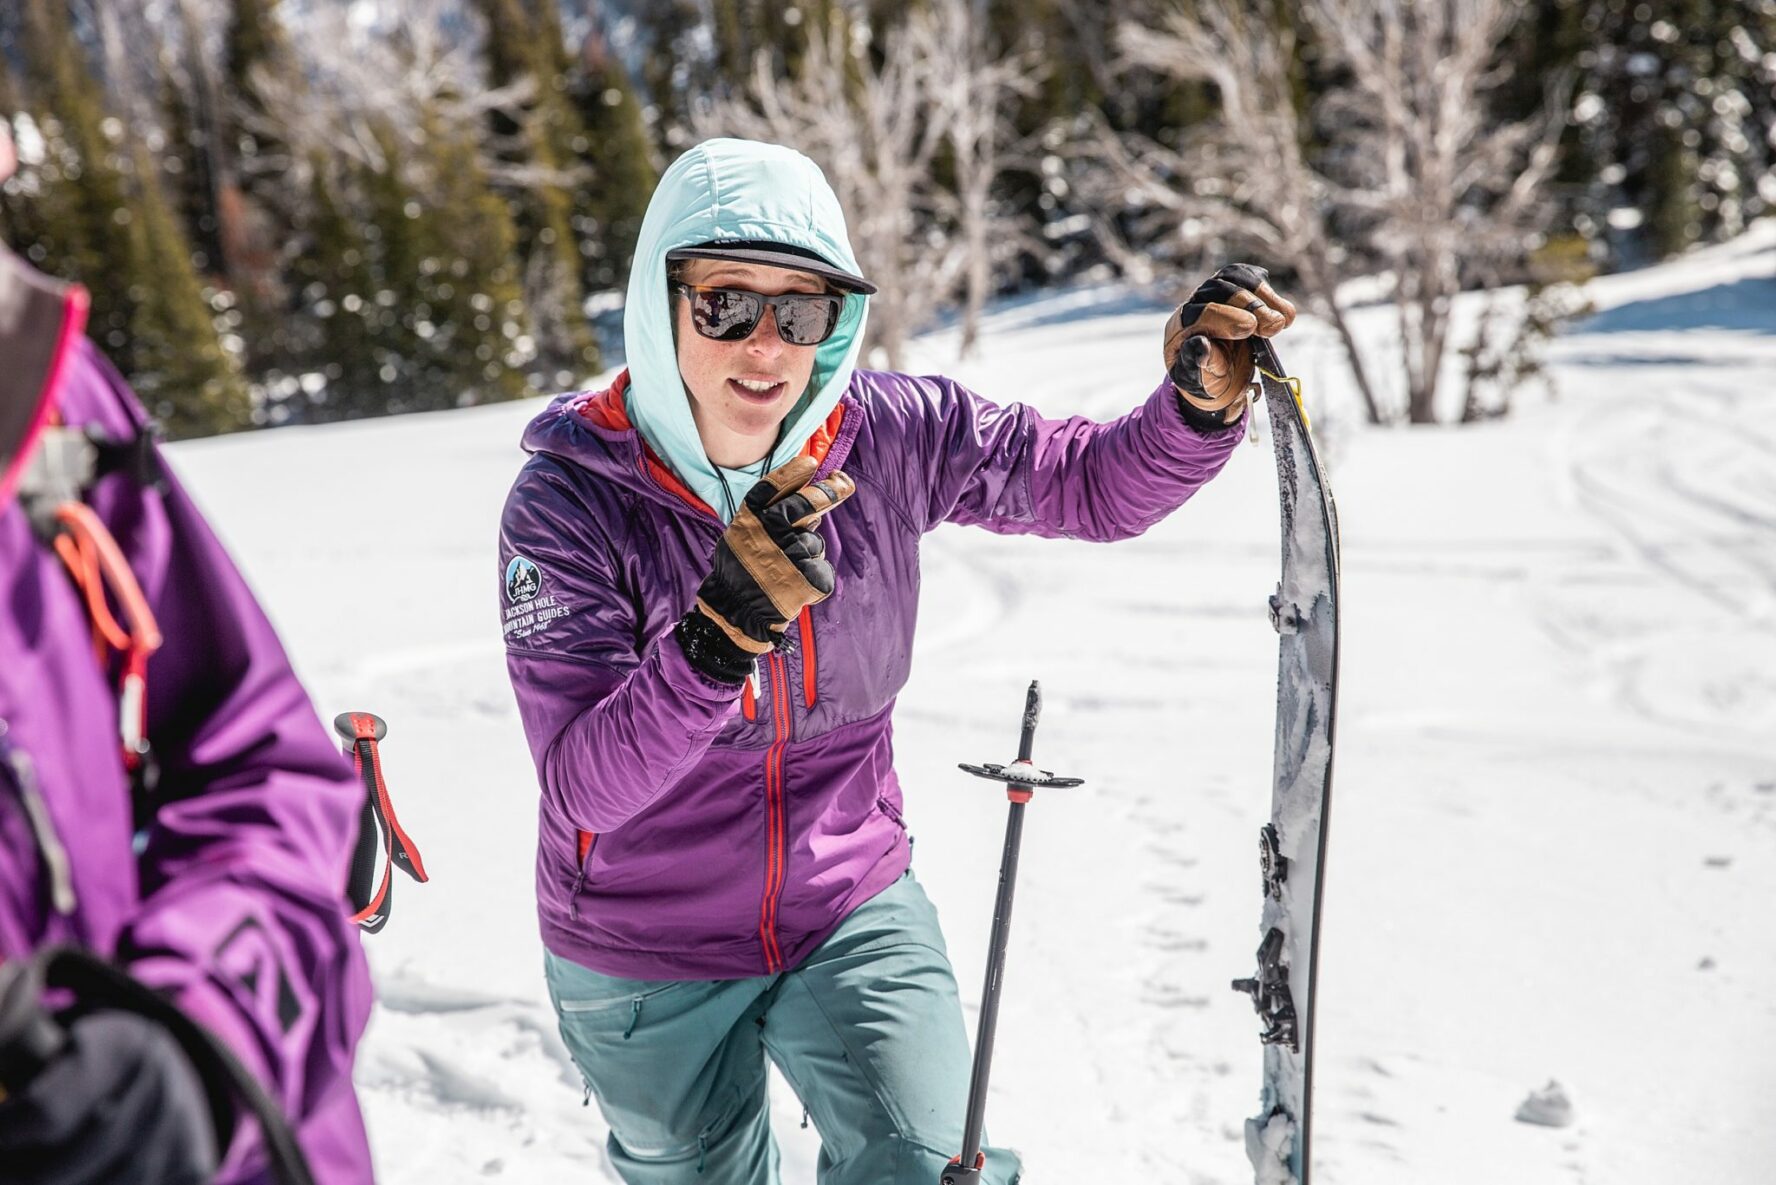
[966, 1167]
[989, 1019]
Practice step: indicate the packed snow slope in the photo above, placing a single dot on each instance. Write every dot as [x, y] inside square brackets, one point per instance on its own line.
[1554, 839]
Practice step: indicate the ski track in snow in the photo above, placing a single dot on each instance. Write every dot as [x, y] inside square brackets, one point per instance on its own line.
[1555, 830]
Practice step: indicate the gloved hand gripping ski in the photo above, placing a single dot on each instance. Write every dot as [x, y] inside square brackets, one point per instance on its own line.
[769, 565]
[1206, 351]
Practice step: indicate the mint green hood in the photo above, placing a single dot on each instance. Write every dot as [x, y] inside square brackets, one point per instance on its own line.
[731, 189]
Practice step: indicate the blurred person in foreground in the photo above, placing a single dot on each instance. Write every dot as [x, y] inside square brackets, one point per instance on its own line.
[709, 576]
[168, 797]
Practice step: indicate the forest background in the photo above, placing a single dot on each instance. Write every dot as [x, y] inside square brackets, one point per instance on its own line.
[310, 210]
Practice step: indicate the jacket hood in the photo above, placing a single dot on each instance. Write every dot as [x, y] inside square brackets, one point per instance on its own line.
[731, 189]
[40, 323]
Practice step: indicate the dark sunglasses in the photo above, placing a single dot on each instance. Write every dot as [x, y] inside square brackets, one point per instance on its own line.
[731, 314]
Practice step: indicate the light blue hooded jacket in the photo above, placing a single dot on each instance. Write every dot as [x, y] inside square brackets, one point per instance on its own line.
[731, 189]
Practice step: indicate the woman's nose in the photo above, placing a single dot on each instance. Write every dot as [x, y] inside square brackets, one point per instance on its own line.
[764, 338]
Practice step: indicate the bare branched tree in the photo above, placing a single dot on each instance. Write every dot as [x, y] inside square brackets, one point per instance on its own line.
[975, 90]
[1245, 176]
[1448, 186]
[1414, 172]
[873, 131]
[358, 77]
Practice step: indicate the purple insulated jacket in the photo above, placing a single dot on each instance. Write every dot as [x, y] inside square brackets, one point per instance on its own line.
[236, 906]
[692, 832]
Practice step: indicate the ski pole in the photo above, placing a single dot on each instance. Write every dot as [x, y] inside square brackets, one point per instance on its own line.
[1021, 781]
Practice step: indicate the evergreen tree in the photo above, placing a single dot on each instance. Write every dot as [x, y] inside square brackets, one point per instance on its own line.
[186, 170]
[1674, 104]
[470, 291]
[544, 140]
[608, 213]
[408, 295]
[177, 362]
[248, 165]
[100, 217]
[21, 214]
[331, 370]
[670, 33]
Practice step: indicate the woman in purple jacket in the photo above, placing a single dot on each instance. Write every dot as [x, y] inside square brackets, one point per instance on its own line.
[709, 579]
[220, 882]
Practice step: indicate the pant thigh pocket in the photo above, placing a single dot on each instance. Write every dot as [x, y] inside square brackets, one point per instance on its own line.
[656, 1144]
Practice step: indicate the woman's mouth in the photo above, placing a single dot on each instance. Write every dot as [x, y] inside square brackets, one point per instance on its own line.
[756, 390]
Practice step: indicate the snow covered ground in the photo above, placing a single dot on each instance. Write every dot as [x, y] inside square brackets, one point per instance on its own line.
[1554, 843]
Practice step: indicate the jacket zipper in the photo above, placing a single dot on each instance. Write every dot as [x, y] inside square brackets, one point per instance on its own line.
[49, 844]
[588, 841]
[808, 667]
[776, 822]
[888, 809]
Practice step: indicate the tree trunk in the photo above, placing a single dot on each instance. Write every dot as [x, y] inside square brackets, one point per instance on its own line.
[1317, 276]
[1359, 372]
[979, 266]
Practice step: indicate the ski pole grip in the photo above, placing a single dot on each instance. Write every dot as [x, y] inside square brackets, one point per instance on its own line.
[359, 726]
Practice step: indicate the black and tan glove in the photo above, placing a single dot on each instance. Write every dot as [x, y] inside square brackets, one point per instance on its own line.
[769, 565]
[1206, 354]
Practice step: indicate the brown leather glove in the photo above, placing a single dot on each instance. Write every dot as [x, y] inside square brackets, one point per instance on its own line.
[1209, 362]
[768, 566]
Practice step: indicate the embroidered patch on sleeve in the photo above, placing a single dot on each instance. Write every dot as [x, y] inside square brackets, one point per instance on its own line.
[528, 611]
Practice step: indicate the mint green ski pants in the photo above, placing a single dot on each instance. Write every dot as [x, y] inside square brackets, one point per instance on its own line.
[868, 1032]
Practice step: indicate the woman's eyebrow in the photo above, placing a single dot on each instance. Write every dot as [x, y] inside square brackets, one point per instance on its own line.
[720, 278]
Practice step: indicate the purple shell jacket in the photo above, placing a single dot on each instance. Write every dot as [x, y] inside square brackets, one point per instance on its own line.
[689, 831]
[236, 906]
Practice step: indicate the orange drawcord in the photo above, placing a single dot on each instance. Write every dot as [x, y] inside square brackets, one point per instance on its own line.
[97, 566]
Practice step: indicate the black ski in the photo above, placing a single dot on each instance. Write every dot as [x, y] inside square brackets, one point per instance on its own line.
[1292, 846]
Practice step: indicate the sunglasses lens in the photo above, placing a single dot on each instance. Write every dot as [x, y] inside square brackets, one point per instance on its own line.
[807, 320]
[725, 314]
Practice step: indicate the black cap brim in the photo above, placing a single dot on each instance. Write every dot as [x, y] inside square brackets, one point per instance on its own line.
[774, 255]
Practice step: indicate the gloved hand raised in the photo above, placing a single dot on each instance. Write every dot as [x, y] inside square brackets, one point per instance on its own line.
[769, 565]
[120, 1104]
[1206, 355]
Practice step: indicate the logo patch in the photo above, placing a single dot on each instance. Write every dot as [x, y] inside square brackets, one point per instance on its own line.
[523, 580]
